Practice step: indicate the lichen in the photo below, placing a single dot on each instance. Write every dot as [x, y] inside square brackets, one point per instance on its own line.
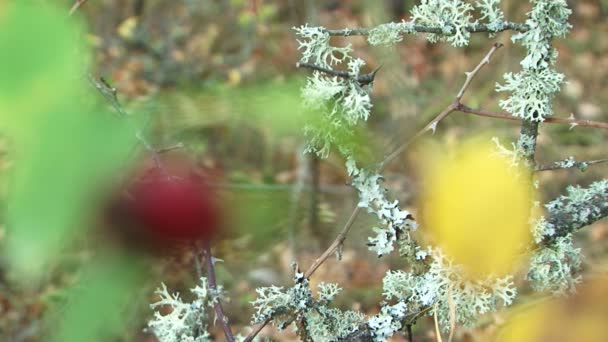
[453, 16]
[554, 268]
[186, 321]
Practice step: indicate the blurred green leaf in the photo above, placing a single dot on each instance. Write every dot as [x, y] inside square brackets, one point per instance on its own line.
[96, 306]
[64, 148]
[41, 59]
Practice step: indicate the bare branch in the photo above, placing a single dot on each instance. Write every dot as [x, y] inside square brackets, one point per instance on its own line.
[552, 120]
[470, 75]
[452, 107]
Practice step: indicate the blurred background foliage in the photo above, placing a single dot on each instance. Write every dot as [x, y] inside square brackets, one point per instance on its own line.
[219, 77]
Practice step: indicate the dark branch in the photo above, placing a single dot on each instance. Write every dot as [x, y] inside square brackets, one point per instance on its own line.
[362, 79]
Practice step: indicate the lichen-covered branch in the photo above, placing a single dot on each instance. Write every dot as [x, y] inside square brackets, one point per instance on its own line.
[570, 163]
[417, 28]
[578, 208]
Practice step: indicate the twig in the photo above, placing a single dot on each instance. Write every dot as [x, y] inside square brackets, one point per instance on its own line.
[471, 75]
[362, 79]
[479, 28]
[452, 107]
[552, 120]
[569, 164]
[217, 305]
[170, 148]
[76, 6]
[110, 94]
[335, 245]
[257, 330]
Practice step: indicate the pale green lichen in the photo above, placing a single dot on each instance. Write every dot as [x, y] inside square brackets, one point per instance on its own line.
[187, 321]
[372, 196]
[321, 322]
[453, 16]
[534, 88]
[342, 100]
[490, 11]
[390, 33]
[532, 93]
[444, 282]
[388, 321]
[554, 268]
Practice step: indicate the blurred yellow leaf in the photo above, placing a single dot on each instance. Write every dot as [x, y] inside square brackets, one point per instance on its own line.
[476, 206]
[127, 28]
[581, 317]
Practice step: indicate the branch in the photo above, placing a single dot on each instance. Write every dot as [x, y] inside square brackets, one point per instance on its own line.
[76, 6]
[506, 116]
[217, 305]
[452, 107]
[580, 207]
[569, 164]
[362, 79]
[431, 125]
[479, 28]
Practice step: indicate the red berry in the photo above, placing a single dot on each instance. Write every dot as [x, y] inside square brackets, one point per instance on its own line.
[159, 210]
[175, 208]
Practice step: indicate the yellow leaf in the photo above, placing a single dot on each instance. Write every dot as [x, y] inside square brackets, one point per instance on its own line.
[476, 207]
[127, 28]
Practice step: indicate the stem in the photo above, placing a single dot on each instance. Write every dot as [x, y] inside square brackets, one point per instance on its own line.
[217, 305]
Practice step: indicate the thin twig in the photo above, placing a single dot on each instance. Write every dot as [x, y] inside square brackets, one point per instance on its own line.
[561, 165]
[471, 75]
[76, 6]
[552, 120]
[217, 305]
[452, 107]
[335, 245]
